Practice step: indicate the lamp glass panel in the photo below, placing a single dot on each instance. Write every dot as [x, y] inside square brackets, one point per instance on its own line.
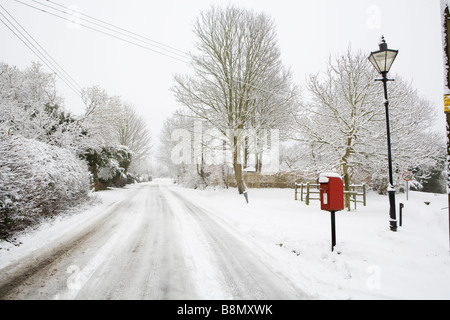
[383, 60]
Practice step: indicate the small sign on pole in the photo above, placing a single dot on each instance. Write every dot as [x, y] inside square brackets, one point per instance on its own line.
[447, 103]
[407, 176]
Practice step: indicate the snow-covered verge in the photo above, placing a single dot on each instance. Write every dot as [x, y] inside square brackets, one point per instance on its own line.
[369, 261]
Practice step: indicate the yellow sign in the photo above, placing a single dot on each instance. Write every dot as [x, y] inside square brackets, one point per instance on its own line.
[447, 103]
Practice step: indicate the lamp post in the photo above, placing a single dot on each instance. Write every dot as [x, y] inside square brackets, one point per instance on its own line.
[382, 60]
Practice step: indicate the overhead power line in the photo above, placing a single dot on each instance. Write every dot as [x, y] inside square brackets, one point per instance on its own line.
[45, 51]
[156, 43]
[28, 40]
[115, 34]
[119, 33]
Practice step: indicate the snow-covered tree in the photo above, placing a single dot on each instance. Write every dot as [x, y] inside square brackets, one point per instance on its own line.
[132, 131]
[103, 115]
[239, 81]
[113, 128]
[338, 119]
[345, 122]
[176, 149]
[42, 146]
[29, 101]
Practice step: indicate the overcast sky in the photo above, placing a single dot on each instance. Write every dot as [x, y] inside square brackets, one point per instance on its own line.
[309, 32]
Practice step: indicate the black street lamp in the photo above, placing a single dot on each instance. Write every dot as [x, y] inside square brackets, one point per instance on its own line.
[382, 60]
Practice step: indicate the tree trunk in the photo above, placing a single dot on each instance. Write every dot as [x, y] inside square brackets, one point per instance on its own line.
[346, 184]
[246, 152]
[237, 165]
[345, 172]
[259, 151]
[239, 177]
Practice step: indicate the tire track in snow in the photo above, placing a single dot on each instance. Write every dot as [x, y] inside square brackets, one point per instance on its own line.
[145, 265]
[156, 269]
[132, 250]
[155, 244]
[197, 254]
[90, 280]
[44, 271]
[25, 271]
[246, 275]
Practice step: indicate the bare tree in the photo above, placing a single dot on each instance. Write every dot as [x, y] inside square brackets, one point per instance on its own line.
[110, 123]
[345, 120]
[238, 67]
[103, 115]
[132, 132]
[343, 105]
[93, 99]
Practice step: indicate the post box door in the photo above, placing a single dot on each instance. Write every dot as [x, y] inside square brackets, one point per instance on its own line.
[336, 196]
[324, 196]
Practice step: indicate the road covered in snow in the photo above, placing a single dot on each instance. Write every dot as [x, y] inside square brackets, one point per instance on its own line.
[147, 241]
[158, 240]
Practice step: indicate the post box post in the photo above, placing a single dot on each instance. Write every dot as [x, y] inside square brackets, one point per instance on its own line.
[333, 230]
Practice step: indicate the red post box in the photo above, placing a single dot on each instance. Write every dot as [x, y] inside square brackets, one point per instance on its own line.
[331, 192]
[332, 199]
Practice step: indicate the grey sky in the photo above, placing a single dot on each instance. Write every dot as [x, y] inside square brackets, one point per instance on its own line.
[309, 32]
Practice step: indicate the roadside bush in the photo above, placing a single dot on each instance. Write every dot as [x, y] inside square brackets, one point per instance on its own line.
[37, 180]
[108, 166]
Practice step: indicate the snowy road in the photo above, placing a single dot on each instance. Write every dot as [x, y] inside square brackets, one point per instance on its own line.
[152, 244]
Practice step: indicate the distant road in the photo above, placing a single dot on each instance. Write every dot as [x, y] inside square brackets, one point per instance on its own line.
[156, 244]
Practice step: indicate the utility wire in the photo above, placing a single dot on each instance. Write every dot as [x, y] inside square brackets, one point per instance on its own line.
[133, 35]
[75, 84]
[37, 52]
[147, 40]
[106, 33]
[169, 53]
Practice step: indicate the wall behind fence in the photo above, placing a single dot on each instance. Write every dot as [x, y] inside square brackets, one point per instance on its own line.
[274, 180]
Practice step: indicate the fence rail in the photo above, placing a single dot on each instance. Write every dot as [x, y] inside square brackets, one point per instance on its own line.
[309, 190]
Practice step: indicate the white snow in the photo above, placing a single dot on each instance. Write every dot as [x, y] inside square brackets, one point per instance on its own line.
[369, 261]
[330, 175]
[324, 177]
[52, 230]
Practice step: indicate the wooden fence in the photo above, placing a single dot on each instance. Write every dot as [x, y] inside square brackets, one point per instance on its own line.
[310, 191]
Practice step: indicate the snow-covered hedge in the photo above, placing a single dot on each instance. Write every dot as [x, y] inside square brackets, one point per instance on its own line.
[37, 180]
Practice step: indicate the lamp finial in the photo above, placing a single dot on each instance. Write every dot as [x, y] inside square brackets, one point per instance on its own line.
[383, 44]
